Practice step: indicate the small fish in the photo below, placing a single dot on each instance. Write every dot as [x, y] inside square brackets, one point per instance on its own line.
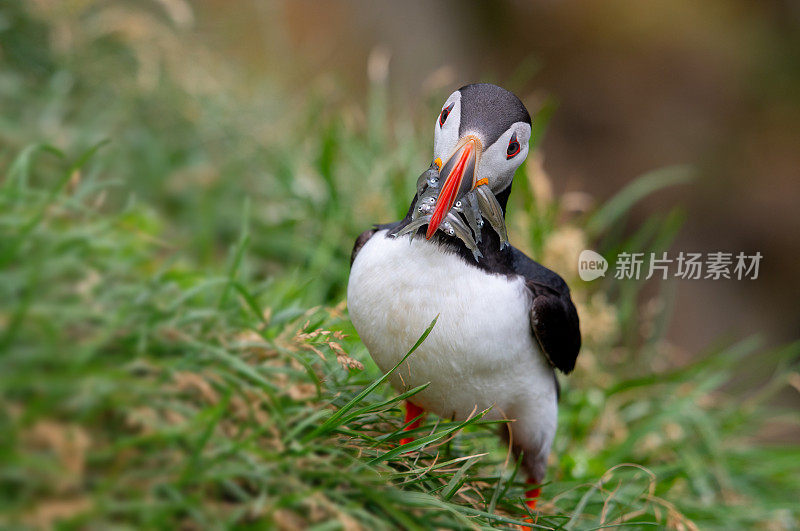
[473, 206]
[429, 178]
[425, 202]
[468, 207]
[461, 231]
[411, 227]
[491, 210]
[427, 191]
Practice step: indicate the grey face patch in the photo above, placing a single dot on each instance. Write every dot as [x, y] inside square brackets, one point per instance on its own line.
[489, 110]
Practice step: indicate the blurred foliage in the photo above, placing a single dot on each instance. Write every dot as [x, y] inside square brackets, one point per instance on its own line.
[166, 232]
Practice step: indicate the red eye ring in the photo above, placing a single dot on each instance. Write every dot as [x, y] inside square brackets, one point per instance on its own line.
[513, 147]
[445, 114]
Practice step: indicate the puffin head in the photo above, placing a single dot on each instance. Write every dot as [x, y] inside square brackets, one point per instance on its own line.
[481, 138]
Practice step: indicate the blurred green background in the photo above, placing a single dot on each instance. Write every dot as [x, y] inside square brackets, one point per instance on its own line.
[181, 186]
[636, 85]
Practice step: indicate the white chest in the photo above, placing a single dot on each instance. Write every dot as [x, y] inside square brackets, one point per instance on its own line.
[481, 351]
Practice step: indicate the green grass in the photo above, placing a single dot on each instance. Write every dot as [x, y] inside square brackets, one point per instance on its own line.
[175, 349]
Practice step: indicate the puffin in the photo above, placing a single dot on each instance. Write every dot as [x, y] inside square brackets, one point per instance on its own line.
[505, 322]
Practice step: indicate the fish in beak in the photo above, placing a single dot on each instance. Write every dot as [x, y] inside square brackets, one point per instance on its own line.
[458, 174]
[451, 198]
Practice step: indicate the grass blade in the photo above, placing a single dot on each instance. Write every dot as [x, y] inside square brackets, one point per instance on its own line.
[645, 185]
[336, 419]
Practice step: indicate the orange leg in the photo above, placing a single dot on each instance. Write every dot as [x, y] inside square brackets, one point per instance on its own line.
[412, 412]
[533, 496]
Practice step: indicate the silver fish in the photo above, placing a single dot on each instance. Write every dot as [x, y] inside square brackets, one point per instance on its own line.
[428, 179]
[461, 231]
[425, 202]
[468, 207]
[491, 210]
[473, 206]
[411, 227]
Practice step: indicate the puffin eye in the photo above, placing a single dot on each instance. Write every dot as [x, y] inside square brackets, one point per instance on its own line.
[513, 147]
[445, 114]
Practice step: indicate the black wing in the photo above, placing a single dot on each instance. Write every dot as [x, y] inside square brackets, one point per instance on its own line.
[360, 241]
[367, 234]
[554, 319]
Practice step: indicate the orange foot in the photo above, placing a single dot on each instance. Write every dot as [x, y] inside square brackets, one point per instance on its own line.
[413, 411]
[532, 496]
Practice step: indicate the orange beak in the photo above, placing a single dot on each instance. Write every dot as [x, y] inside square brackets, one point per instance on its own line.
[459, 178]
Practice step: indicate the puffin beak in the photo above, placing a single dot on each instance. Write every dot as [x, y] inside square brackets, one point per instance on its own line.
[459, 178]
